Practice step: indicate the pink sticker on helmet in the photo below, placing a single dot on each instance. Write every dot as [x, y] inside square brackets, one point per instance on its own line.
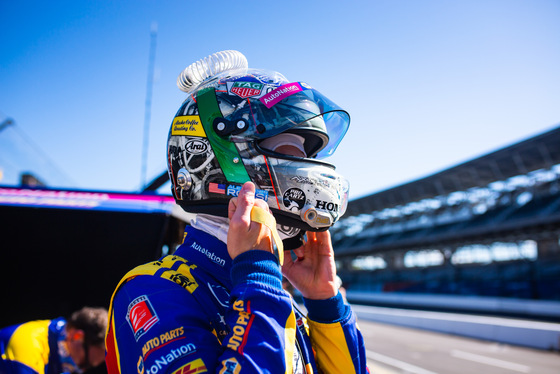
[270, 99]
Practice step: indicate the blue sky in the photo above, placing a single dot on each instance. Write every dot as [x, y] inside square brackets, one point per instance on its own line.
[428, 83]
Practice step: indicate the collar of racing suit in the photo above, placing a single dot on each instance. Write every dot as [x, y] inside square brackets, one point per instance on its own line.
[213, 225]
[218, 227]
[207, 252]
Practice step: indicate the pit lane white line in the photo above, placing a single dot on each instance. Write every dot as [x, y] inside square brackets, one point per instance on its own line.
[490, 361]
[409, 368]
[483, 320]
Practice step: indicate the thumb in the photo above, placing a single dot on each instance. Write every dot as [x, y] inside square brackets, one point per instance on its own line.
[244, 203]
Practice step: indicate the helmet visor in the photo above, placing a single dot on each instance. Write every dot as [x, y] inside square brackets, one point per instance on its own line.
[289, 106]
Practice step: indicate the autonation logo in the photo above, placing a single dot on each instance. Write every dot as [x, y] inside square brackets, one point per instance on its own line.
[163, 361]
[218, 260]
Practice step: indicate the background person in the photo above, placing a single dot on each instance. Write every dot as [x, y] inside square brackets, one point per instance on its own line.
[55, 346]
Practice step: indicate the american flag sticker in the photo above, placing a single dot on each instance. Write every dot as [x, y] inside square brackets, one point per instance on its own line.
[217, 188]
[141, 316]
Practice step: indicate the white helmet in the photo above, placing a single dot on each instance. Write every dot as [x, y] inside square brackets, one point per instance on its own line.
[224, 135]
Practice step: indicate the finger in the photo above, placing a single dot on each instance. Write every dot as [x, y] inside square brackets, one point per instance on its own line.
[245, 202]
[299, 252]
[262, 204]
[288, 262]
[322, 236]
[232, 207]
[311, 236]
[324, 245]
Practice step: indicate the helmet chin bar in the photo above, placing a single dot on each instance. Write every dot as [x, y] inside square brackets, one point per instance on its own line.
[310, 194]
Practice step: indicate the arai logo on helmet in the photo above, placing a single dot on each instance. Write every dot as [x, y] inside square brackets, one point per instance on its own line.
[246, 89]
[196, 147]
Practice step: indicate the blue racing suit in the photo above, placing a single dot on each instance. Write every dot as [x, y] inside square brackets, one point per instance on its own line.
[197, 311]
[36, 347]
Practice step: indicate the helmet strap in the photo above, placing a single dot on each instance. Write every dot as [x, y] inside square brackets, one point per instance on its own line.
[294, 242]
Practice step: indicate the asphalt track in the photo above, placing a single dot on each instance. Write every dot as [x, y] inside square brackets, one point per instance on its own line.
[395, 349]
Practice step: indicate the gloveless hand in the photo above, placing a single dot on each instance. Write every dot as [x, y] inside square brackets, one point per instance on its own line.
[244, 234]
[313, 273]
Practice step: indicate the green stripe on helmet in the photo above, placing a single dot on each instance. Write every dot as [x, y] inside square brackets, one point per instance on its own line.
[224, 150]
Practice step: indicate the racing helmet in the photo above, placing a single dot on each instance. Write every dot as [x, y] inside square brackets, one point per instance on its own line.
[228, 129]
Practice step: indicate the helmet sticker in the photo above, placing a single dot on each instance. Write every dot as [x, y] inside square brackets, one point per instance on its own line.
[233, 190]
[217, 188]
[302, 180]
[280, 94]
[187, 125]
[195, 155]
[294, 199]
[196, 146]
[327, 205]
[245, 89]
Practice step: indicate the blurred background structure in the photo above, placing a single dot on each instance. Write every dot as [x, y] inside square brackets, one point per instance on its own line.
[487, 227]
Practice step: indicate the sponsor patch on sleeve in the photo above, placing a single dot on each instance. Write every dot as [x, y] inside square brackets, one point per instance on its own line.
[141, 316]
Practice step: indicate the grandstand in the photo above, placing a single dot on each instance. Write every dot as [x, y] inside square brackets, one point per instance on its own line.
[486, 227]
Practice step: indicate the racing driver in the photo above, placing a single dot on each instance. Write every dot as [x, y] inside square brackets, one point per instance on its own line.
[244, 154]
